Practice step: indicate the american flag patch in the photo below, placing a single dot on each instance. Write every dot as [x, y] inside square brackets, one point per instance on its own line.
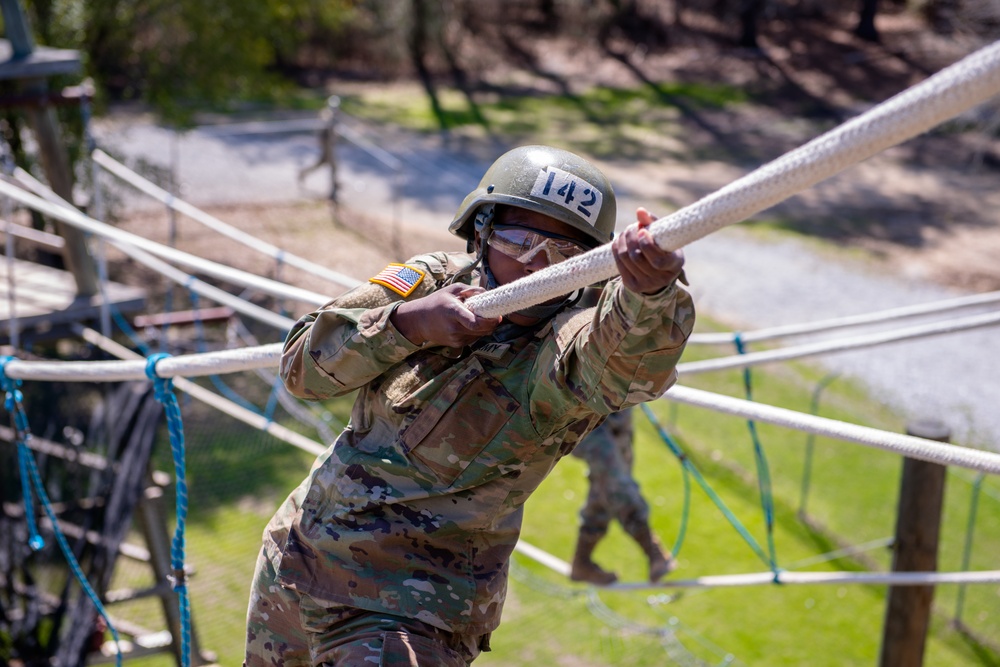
[400, 278]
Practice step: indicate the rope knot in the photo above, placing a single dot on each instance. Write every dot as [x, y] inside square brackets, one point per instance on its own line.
[738, 341]
[8, 384]
[160, 385]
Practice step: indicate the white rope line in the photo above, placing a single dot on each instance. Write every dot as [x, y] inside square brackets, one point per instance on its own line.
[188, 365]
[76, 219]
[954, 89]
[36, 236]
[200, 287]
[213, 223]
[267, 356]
[769, 333]
[905, 445]
[837, 345]
[188, 281]
[220, 403]
[782, 577]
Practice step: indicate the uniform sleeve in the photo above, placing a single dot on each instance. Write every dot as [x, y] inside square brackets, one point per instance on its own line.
[351, 340]
[623, 352]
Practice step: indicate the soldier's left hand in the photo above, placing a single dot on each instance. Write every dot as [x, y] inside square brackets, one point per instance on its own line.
[644, 266]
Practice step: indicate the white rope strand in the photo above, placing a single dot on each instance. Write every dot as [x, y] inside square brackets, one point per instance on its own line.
[954, 89]
[190, 365]
[837, 345]
[197, 286]
[784, 331]
[905, 445]
[200, 287]
[211, 399]
[76, 219]
[782, 577]
[213, 223]
[37, 236]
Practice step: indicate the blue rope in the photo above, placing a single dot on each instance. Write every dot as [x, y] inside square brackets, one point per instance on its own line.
[116, 315]
[30, 477]
[164, 392]
[763, 470]
[688, 466]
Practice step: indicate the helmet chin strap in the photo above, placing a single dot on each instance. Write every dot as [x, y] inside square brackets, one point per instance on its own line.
[484, 225]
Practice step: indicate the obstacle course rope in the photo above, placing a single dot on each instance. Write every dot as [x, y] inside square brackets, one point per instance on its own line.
[31, 478]
[944, 95]
[164, 392]
[559, 289]
[183, 207]
[763, 469]
[689, 468]
[818, 326]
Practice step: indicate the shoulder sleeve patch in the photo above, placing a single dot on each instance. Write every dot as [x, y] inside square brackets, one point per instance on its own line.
[400, 278]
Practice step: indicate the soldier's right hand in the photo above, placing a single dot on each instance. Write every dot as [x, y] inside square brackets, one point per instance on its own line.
[442, 318]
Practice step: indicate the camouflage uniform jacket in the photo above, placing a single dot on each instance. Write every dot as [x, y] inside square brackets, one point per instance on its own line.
[417, 506]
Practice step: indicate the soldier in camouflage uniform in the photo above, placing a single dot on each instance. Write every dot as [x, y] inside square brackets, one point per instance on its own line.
[395, 548]
[613, 494]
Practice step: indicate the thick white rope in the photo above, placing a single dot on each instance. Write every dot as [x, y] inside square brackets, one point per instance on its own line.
[266, 356]
[782, 577]
[188, 365]
[210, 398]
[213, 223]
[897, 443]
[838, 345]
[188, 281]
[76, 219]
[770, 333]
[951, 91]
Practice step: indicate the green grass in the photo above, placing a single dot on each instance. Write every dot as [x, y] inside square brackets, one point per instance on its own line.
[238, 477]
[622, 122]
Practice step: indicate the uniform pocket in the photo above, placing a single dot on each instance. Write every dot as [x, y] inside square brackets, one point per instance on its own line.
[458, 422]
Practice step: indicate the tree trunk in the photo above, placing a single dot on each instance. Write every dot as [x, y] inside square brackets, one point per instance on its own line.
[750, 11]
[866, 24]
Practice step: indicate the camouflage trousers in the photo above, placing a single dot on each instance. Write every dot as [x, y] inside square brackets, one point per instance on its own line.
[614, 493]
[289, 629]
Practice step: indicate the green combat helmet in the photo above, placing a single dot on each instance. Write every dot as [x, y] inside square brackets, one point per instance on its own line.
[548, 180]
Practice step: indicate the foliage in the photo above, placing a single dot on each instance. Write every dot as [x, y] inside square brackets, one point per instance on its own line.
[184, 55]
[178, 56]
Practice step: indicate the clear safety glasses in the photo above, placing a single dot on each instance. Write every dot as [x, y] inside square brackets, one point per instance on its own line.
[525, 244]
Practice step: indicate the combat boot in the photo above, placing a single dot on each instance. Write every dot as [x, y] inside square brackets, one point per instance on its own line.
[584, 568]
[660, 563]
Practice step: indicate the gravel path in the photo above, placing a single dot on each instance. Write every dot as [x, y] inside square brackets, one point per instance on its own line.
[736, 277]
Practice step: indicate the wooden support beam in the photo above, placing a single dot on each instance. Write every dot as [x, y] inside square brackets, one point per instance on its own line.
[180, 317]
[51, 148]
[918, 527]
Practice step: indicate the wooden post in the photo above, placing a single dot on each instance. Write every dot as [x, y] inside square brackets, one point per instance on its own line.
[52, 151]
[918, 525]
